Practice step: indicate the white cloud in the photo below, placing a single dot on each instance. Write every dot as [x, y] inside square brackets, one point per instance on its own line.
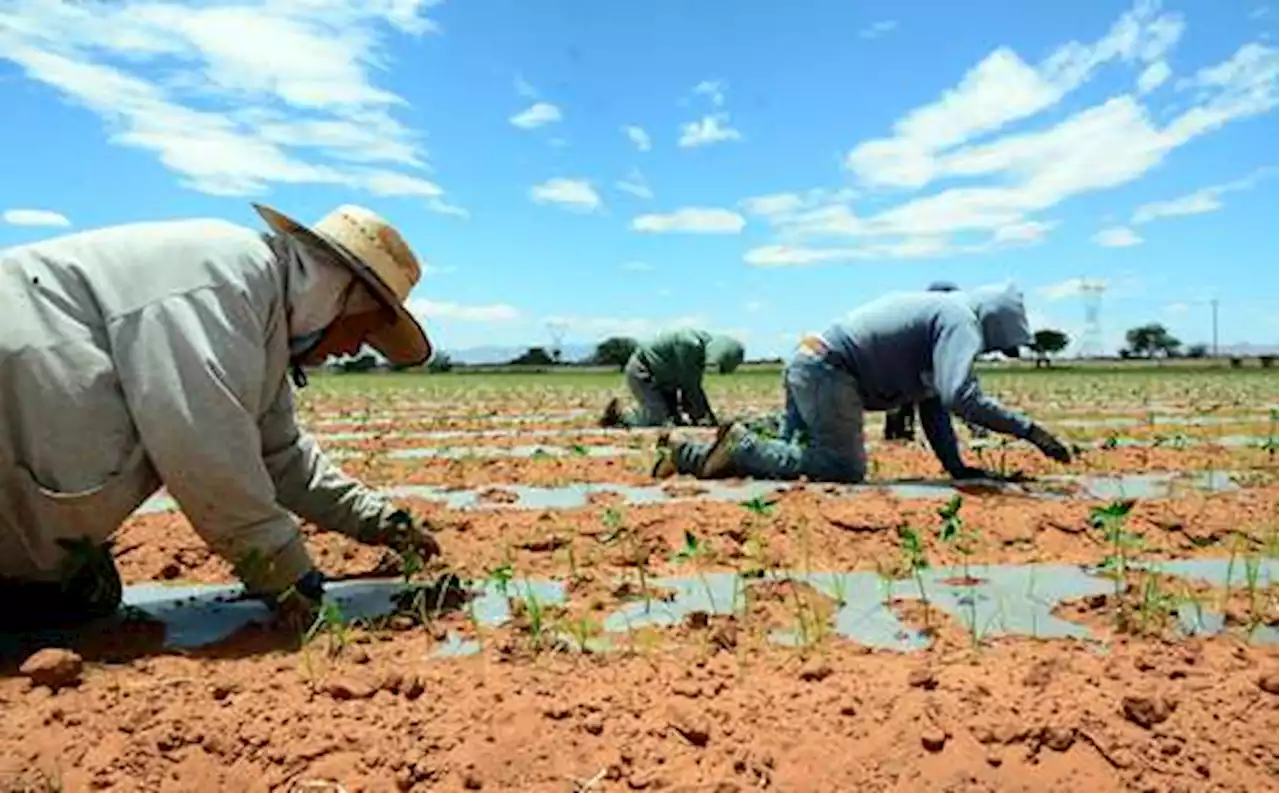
[251, 95]
[1117, 237]
[1206, 199]
[635, 184]
[457, 312]
[713, 90]
[691, 220]
[637, 267]
[1026, 173]
[877, 29]
[523, 88]
[1001, 89]
[635, 327]
[442, 207]
[1072, 287]
[712, 128]
[34, 217]
[639, 137]
[575, 194]
[536, 115]
[1153, 77]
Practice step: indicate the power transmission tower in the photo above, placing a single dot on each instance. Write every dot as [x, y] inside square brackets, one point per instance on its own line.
[556, 329]
[1091, 338]
[1214, 304]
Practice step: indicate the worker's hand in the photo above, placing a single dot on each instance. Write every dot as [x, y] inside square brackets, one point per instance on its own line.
[1048, 445]
[400, 531]
[297, 607]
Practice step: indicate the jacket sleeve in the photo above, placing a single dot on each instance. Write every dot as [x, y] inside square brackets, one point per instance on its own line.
[692, 393]
[936, 424]
[956, 347]
[308, 483]
[191, 370]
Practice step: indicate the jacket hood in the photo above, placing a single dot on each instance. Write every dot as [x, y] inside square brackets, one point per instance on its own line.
[316, 287]
[1002, 315]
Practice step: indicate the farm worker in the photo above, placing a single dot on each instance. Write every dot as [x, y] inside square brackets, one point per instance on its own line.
[899, 422]
[664, 375]
[907, 348]
[724, 353]
[157, 354]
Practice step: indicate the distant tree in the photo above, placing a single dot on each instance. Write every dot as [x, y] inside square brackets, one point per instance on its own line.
[360, 363]
[1150, 340]
[1048, 342]
[440, 362]
[614, 351]
[534, 356]
[1198, 351]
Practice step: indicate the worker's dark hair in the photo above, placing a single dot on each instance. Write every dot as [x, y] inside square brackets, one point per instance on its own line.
[943, 286]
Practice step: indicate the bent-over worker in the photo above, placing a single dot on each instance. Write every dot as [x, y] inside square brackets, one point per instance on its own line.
[724, 353]
[907, 348]
[664, 375]
[899, 423]
[154, 355]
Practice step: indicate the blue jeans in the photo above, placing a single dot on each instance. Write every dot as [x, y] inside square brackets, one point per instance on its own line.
[823, 403]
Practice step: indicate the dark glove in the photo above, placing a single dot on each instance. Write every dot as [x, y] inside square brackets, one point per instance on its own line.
[401, 532]
[299, 605]
[1048, 445]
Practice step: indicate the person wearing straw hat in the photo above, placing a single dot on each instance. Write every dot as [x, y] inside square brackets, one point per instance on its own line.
[158, 354]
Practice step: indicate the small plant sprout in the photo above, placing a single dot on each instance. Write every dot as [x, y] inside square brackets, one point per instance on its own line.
[691, 552]
[915, 560]
[954, 532]
[1111, 520]
[502, 575]
[583, 630]
[533, 607]
[329, 621]
[614, 525]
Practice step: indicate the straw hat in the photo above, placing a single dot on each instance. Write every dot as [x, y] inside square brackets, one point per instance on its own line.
[378, 256]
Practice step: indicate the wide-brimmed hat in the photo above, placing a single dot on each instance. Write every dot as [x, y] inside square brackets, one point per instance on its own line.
[379, 257]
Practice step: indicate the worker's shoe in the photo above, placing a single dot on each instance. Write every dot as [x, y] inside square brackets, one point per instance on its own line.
[665, 464]
[612, 416]
[720, 457]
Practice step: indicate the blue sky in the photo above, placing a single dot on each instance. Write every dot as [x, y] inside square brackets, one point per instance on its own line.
[620, 166]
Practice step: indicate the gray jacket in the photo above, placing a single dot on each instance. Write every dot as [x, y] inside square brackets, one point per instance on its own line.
[150, 355]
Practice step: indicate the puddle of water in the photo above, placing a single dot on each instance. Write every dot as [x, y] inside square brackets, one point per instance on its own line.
[1005, 600]
[463, 452]
[577, 495]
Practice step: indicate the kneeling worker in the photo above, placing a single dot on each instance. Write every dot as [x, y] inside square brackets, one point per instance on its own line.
[664, 376]
[908, 348]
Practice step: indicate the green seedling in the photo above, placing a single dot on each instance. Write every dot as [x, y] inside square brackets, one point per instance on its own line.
[759, 507]
[1111, 520]
[916, 560]
[578, 450]
[583, 630]
[1252, 576]
[1111, 442]
[330, 621]
[502, 575]
[953, 531]
[533, 607]
[692, 552]
[1156, 604]
[614, 525]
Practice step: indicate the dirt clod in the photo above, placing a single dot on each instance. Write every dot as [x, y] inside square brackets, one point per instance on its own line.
[922, 677]
[1146, 711]
[815, 670]
[1269, 683]
[1059, 739]
[692, 726]
[933, 739]
[346, 688]
[53, 667]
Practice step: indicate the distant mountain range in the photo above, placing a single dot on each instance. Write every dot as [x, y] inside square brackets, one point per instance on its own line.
[498, 354]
